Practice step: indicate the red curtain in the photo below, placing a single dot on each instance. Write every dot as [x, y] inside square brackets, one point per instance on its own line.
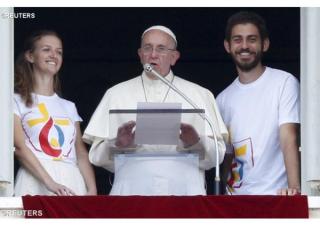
[166, 206]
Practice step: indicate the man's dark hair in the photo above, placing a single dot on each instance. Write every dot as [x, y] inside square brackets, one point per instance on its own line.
[244, 18]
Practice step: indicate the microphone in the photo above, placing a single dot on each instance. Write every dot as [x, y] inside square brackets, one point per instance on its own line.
[148, 68]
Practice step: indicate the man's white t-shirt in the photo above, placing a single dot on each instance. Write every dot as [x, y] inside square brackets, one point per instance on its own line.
[253, 114]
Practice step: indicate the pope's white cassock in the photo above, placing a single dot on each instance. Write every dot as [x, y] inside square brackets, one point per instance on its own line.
[157, 177]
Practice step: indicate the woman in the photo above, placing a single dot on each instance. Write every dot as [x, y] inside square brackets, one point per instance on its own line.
[47, 136]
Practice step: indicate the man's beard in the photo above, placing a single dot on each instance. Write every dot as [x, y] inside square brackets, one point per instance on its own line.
[247, 66]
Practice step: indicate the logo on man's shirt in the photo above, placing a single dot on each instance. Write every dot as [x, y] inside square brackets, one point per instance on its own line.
[242, 162]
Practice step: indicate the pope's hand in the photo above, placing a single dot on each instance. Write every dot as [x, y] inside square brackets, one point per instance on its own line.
[188, 135]
[125, 135]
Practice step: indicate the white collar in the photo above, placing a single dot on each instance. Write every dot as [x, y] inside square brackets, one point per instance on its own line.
[156, 82]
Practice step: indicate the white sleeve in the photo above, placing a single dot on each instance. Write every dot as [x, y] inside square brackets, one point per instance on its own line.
[219, 103]
[289, 111]
[100, 154]
[206, 145]
[75, 114]
[207, 151]
[214, 114]
[16, 106]
[97, 127]
[210, 154]
[221, 133]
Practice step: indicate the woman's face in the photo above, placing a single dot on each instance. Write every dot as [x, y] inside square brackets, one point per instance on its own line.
[46, 57]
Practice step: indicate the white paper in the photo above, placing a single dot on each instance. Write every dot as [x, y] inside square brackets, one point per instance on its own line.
[158, 128]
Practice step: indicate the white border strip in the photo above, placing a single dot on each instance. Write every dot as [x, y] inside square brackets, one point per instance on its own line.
[16, 202]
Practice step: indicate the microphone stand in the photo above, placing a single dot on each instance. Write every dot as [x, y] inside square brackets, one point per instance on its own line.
[149, 68]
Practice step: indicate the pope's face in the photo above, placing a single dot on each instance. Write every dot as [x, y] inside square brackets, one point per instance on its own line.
[158, 49]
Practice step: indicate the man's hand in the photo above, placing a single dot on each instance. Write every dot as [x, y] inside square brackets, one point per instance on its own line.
[125, 136]
[289, 191]
[188, 135]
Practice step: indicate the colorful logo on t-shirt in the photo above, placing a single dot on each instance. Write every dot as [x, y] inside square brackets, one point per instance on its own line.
[51, 146]
[242, 162]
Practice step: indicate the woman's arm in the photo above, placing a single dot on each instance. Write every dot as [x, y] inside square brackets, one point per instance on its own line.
[84, 164]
